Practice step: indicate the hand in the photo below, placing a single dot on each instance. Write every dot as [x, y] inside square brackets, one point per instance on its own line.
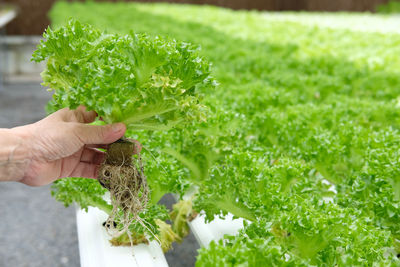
[64, 145]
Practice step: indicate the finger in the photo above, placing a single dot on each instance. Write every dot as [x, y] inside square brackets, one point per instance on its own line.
[138, 147]
[61, 114]
[85, 116]
[103, 146]
[85, 170]
[78, 115]
[90, 155]
[98, 134]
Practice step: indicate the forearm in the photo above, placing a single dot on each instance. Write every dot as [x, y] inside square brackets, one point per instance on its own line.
[14, 155]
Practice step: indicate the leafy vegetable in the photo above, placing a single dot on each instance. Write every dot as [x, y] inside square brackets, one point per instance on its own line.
[302, 135]
[392, 6]
[146, 83]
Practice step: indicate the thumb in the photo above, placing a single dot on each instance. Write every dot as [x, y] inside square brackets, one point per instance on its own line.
[99, 134]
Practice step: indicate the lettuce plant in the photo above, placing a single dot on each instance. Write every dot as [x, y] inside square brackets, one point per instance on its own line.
[301, 109]
[148, 83]
[145, 82]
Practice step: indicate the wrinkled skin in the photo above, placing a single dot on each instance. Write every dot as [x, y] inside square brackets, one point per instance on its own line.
[61, 145]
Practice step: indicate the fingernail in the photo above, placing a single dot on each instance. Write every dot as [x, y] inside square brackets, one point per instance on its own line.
[117, 127]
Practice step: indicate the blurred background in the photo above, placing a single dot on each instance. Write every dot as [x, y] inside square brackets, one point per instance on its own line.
[23, 21]
[32, 18]
[36, 230]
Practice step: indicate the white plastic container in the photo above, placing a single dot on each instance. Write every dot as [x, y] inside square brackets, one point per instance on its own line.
[215, 230]
[96, 251]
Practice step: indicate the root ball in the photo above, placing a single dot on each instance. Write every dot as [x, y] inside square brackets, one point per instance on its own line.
[122, 174]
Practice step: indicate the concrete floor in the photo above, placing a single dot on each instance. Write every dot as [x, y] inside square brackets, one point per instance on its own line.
[35, 230]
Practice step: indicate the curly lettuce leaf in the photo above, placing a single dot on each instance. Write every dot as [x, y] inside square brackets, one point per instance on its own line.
[145, 82]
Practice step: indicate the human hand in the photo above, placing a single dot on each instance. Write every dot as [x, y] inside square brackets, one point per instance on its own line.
[64, 145]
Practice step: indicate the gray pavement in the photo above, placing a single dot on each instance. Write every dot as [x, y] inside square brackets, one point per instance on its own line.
[35, 230]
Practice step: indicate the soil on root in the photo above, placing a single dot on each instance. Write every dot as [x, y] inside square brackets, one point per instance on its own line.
[122, 174]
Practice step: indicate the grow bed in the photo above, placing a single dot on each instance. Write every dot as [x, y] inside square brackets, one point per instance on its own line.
[299, 103]
[96, 251]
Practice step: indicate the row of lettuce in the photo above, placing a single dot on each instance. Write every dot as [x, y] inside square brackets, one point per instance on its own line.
[391, 7]
[301, 139]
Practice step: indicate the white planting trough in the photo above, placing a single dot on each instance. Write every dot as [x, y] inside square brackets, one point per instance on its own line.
[215, 230]
[96, 251]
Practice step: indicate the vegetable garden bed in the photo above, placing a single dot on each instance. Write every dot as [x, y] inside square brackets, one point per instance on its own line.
[300, 108]
[96, 251]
